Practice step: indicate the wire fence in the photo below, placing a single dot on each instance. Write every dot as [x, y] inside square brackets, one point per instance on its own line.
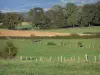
[87, 58]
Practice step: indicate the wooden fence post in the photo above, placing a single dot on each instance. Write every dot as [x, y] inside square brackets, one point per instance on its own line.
[89, 46]
[78, 59]
[69, 45]
[58, 59]
[21, 58]
[76, 45]
[30, 58]
[95, 59]
[99, 58]
[40, 58]
[93, 46]
[71, 58]
[36, 59]
[64, 59]
[74, 58]
[26, 58]
[50, 58]
[86, 56]
[61, 58]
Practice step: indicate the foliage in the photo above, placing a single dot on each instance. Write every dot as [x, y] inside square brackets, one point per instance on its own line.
[1, 17]
[90, 15]
[58, 16]
[38, 16]
[68, 16]
[51, 43]
[71, 13]
[11, 20]
[80, 44]
[10, 51]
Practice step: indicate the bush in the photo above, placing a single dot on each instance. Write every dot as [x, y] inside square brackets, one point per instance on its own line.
[10, 51]
[80, 44]
[51, 43]
[96, 33]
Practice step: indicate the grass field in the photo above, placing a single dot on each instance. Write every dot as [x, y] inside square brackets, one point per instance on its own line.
[13, 67]
[76, 30]
[70, 49]
[66, 30]
[64, 47]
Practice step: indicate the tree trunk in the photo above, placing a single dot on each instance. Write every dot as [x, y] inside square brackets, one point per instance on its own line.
[89, 24]
[73, 26]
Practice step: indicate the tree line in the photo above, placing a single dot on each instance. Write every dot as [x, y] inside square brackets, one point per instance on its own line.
[10, 19]
[70, 15]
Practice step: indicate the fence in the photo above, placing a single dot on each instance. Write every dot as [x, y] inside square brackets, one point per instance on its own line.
[78, 59]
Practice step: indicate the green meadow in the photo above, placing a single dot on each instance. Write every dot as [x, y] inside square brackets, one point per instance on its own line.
[13, 67]
[63, 47]
[67, 48]
[76, 30]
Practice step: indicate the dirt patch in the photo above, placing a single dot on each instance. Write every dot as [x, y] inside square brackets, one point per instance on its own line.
[29, 33]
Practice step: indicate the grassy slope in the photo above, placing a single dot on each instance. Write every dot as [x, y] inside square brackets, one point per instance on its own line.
[48, 68]
[76, 30]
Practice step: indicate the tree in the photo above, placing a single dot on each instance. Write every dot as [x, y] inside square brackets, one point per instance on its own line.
[71, 14]
[50, 14]
[96, 19]
[11, 20]
[88, 14]
[0, 17]
[56, 16]
[38, 16]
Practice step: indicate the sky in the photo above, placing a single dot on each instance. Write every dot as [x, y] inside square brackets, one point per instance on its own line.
[26, 5]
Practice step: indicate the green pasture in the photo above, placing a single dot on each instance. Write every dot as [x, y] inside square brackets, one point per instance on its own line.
[63, 30]
[76, 30]
[17, 67]
[64, 47]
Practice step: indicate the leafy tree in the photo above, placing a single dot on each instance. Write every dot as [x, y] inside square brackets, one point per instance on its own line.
[96, 19]
[88, 14]
[12, 19]
[46, 23]
[71, 14]
[38, 16]
[50, 14]
[56, 16]
[1, 17]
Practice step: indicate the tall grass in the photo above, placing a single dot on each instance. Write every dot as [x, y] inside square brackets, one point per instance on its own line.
[11, 67]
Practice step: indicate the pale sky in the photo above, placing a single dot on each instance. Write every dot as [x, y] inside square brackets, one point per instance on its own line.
[25, 5]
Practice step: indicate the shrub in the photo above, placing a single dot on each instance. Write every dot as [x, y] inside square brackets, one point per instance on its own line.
[51, 43]
[80, 44]
[10, 51]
